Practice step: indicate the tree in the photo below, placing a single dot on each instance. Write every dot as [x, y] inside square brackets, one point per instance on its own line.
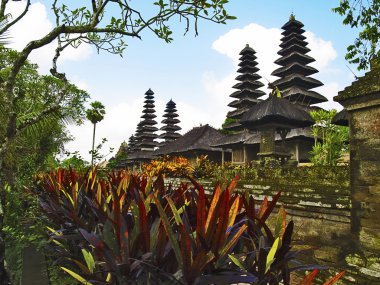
[75, 161]
[364, 15]
[95, 115]
[35, 147]
[106, 24]
[227, 122]
[120, 156]
[330, 140]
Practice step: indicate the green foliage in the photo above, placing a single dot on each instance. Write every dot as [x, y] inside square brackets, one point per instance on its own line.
[331, 141]
[129, 229]
[22, 228]
[227, 121]
[96, 113]
[75, 161]
[128, 21]
[34, 148]
[267, 172]
[120, 156]
[203, 167]
[364, 15]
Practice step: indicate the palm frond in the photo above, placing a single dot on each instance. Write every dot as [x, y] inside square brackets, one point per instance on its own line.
[4, 37]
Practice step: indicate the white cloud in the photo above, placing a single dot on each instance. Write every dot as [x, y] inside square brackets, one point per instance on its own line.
[266, 41]
[80, 83]
[322, 51]
[191, 117]
[120, 123]
[33, 26]
[218, 91]
[330, 90]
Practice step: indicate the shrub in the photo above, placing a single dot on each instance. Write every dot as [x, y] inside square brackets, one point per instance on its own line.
[129, 229]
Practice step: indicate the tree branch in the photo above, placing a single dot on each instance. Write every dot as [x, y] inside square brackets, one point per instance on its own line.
[10, 24]
[2, 8]
[37, 118]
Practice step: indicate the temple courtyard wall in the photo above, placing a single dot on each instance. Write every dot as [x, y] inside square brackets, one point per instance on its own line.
[322, 216]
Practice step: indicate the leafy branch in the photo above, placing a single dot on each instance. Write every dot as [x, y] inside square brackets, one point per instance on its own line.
[363, 15]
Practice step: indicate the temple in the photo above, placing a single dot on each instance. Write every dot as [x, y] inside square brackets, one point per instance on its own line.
[294, 85]
[196, 142]
[170, 123]
[248, 93]
[147, 133]
[276, 127]
[295, 81]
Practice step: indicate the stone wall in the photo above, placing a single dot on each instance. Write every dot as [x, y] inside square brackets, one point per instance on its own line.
[362, 101]
[322, 216]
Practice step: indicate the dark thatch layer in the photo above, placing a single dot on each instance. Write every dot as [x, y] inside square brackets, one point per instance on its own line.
[198, 138]
[341, 118]
[276, 112]
[250, 138]
[235, 139]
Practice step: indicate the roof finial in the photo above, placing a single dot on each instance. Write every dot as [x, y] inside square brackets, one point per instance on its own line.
[247, 45]
[292, 17]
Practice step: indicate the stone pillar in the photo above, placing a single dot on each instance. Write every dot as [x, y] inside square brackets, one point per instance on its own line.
[267, 141]
[362, 101]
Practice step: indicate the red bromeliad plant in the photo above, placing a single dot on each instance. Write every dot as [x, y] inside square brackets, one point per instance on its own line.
[129, 229]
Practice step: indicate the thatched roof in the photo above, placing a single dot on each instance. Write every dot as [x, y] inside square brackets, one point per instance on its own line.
[276, 112]
[249, 138]
[198, 138]
[235, 139]
[140, 155]
[341, 118]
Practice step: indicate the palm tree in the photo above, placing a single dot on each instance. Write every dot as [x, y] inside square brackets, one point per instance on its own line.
[95, 115]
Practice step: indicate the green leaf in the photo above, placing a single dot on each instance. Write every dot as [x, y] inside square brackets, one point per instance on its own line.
[169, 231]
[89, 260]
[177, 217]
[236, 262]
[76, 276]
[272, 252]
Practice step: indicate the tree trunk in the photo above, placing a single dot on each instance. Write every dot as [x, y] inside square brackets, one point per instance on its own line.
[3, 272]
[93, 146]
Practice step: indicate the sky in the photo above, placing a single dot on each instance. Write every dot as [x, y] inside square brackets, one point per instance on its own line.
[196, 72]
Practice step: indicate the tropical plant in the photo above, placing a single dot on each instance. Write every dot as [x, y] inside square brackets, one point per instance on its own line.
[365, 16]
[95, 115]
[103, 24]
[203, 167]
[35, 143]
[331, 141]
[168, 166]
[119, 157]
[133, 230]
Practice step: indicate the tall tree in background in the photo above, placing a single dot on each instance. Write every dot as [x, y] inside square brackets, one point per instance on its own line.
[95, 115]
[105, 24]
[364, 15]
[331, 141]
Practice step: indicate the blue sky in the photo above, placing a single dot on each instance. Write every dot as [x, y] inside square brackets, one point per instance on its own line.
[196, 72]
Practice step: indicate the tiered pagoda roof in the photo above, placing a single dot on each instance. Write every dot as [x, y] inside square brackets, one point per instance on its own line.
[146, 129]
[170, 123]
[294, 82]
[248, 93]
[131, 144]
[276, 112]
